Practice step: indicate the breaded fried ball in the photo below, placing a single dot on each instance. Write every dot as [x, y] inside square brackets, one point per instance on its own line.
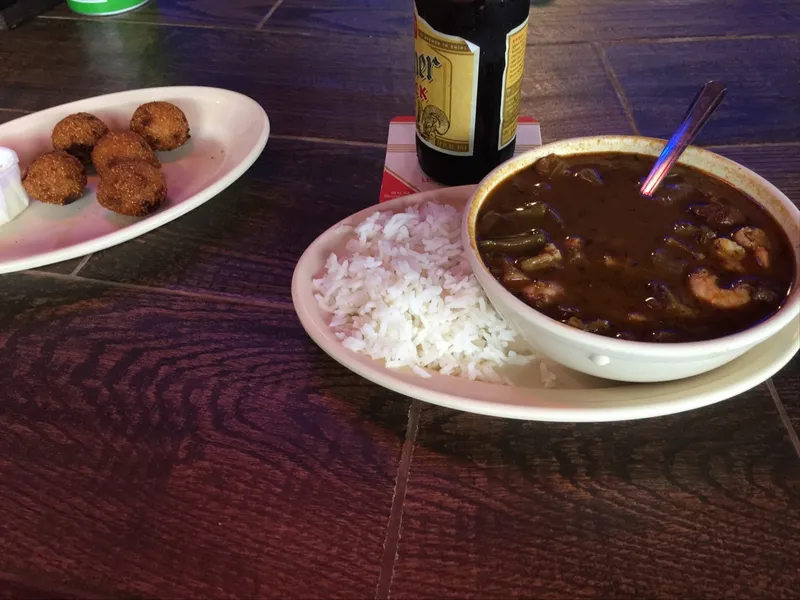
[161, 124]
[119, 147]
[55, 178]
[134, 188]
[78, 134]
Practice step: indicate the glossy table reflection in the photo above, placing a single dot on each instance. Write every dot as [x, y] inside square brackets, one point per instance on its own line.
[168, 430]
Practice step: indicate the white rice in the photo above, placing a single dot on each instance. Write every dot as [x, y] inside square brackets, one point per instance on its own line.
[404, 293]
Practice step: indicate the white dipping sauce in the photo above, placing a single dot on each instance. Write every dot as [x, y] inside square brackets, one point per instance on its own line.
[13, 198]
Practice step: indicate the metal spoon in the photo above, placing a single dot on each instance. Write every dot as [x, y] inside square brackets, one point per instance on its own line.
[702, 107]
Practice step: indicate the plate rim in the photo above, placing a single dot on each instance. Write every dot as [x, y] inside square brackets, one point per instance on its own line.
[548, 405]
[158, 219]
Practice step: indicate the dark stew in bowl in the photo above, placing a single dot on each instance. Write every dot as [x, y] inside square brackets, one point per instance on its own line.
[572, 237]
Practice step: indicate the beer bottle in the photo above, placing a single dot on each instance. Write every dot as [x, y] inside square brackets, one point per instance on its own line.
[469, 62]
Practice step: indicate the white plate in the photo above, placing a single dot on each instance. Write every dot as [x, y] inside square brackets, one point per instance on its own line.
[228, 131]
[577, 398]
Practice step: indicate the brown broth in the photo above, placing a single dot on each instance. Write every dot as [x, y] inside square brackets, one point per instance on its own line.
[620, 231]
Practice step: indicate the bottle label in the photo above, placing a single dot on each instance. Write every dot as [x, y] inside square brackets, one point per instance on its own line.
[512, 84]
[447, 89]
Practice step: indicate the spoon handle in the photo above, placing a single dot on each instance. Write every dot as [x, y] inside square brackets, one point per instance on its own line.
[703, 106]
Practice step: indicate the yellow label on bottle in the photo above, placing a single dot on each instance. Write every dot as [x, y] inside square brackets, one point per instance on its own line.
[516, 40]
[447, 89]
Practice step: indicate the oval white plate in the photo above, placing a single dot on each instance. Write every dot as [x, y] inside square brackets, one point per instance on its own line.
[228, 131]
[577, 397]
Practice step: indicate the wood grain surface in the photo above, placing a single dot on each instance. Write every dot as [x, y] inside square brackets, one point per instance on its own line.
[356, 86]
[66, 267]
[24, 591]
[552, 21]
[389, 18]
[10, 115]
[13, 13]
[565, 86]
[22, 587]
[703, 504]
[660, 80]
[598, 20]
[787, 385]
[180, 447]
[168, 430]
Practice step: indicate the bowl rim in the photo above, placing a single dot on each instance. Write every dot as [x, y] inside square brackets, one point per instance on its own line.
[611, 143]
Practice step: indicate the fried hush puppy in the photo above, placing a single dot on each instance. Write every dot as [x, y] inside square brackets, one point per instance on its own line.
[161, 124]
[55, 178]
[78, 134]
[134, 188]
[119, 147]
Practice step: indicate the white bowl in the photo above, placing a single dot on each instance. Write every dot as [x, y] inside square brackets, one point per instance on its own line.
[619, 359]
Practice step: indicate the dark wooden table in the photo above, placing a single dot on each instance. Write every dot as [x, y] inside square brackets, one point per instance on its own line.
[168, 430]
